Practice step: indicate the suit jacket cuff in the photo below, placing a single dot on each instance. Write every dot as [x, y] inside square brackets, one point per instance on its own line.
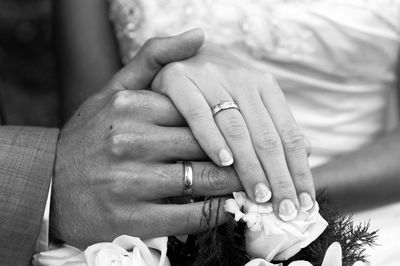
[27, 157]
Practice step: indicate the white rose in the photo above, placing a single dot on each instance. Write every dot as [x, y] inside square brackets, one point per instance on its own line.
[123, 251]
[107, 254]
[269, 237]
[333, 257]
[142, 253]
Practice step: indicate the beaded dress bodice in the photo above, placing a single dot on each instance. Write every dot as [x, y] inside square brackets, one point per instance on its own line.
[334, 59]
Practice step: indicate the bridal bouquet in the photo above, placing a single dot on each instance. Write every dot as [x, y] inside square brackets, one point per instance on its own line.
[254, 237]
[148, 253]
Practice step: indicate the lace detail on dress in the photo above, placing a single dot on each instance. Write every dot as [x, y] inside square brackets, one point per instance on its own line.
[251, 24]
[282, 28]
[127, 16]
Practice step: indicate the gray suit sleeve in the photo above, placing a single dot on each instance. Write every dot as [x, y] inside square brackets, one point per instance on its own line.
[27, 157]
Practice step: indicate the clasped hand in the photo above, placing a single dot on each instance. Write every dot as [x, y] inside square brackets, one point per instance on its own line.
[116, 157]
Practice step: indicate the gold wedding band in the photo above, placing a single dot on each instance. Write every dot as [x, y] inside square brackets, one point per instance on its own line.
[224, 106]
[187, 178]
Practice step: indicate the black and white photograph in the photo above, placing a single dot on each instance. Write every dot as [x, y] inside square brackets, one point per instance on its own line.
[199, 132]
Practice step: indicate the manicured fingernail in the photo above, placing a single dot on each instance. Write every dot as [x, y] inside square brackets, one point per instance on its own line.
[262, 193]
[306, 202]
[225, 157]
[287, 210]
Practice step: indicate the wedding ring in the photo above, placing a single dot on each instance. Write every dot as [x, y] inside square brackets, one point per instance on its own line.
[223, 106]
[187, 178]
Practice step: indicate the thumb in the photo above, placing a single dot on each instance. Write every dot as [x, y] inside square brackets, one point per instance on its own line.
[154, 54]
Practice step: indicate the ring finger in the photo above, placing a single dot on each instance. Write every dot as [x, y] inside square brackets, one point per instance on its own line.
[235, 131]
[194, 108]
[168, 180]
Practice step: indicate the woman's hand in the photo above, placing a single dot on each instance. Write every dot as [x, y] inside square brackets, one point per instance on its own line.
[261, 139]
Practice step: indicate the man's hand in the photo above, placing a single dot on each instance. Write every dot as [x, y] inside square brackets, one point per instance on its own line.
[116, 159]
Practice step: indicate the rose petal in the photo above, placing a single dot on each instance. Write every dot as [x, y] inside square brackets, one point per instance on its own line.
[182, 238]
[92, 252]
[315, 230]
[262, 246]
[300, 263]
[333, 256]
[232, 206]
[156, 256]
[60, 256]
[260, 262]
[240, 198]
[130, 242]
[253, 221]
[265, 207]
[112, 256]
[250, 207]
[159, 244]
[147, 253]
[71, 263]
[270, 225]
[137, 258]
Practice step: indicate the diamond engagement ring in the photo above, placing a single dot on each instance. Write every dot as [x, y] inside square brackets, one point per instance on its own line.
[223, 106]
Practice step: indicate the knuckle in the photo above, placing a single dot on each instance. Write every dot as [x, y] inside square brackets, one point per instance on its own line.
[118, 188]
[173, 70]
[126, 143]
[176, 68]
[144, 100]
[123, 99]
[151, 52]
[197, 112]
[234, 129]
[268, 141]
[215, 177]
[151, 44]
[189, 217]
[115, 83]
[108, 210]
[254, 170]
[283, 186]
[211, 68]
[293, 140]
[127, 215]
[269, 78]
[168, 76]
[303, 177]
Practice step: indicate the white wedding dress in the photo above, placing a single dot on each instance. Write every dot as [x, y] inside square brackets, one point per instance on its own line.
[335, 61]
